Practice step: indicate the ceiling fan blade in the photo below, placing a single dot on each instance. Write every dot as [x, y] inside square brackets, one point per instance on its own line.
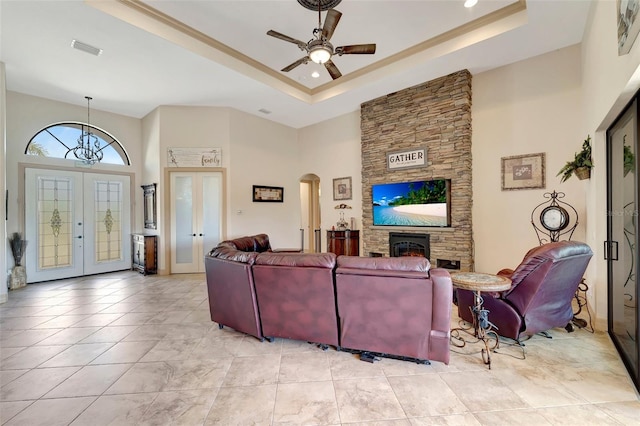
[333, 70]
[356, 49]
[295, 64]
[301, 44]
[330, 23]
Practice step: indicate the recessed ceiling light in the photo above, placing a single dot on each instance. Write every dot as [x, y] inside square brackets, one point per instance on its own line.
[315, 74]
[470, 3]
[86, 48]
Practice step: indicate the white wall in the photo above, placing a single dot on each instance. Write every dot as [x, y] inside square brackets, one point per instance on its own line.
[528, 107]
[255, 151]
[27, 115]
[331, 150]
[264, 153]
[609, 81]
[178, 127]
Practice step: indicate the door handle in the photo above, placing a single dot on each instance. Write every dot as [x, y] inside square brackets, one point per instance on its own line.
[609, 252]
[193, 235]
[201, 235]
[79, 237]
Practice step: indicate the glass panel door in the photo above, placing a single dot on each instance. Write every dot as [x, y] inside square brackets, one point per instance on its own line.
[76, 223]
[196, 218]
[107, 227]
[54, 224]
[622, 237]
[182, 219]
[211, 220]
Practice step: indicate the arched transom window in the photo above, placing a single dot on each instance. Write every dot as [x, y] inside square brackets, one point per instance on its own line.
[59, 140]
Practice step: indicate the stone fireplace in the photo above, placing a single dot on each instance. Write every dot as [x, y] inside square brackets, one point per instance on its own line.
[435, 115]
[408, 244]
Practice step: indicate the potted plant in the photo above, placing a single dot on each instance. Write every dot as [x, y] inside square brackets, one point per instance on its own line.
[581, 164]
[629, 160]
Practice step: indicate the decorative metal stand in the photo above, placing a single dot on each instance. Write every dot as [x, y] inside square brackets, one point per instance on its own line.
[554, 219]
[481, 329]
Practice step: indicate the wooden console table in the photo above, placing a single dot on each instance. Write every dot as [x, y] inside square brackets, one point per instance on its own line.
[343, 242]
[144, 253]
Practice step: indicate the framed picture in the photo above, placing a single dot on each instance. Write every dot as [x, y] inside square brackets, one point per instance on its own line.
[342, 188]
[268, 194]
[523, 172]
[628, 24]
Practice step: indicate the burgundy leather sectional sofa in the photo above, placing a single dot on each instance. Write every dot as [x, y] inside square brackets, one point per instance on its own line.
[390, 306]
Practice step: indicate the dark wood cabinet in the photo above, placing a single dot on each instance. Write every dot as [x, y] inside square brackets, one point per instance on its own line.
[344, 242]
[144, 253]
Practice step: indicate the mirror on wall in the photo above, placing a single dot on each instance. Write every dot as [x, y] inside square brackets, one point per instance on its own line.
[150, 206]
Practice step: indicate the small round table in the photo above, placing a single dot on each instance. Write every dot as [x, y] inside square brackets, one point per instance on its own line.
[483, 330]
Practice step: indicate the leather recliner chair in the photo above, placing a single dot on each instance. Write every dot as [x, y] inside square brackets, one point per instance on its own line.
[542, 289]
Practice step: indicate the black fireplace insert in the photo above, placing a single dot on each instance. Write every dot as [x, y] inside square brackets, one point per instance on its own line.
[408, 244]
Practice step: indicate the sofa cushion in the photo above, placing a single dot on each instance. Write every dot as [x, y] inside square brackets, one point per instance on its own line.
[313, 260]
[403, 263]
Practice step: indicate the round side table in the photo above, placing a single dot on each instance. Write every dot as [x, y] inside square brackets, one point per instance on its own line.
[483, 330]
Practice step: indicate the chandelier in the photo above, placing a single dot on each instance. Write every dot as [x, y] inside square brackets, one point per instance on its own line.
[88, 149]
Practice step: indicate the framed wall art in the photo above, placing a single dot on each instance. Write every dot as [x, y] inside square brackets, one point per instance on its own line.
[268, 194]
[628, 24]
[342, 188]
[523, 171]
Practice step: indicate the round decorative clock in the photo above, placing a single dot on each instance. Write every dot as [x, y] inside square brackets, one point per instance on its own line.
[554, 218]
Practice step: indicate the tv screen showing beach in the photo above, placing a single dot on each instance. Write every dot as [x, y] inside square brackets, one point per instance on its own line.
[422, 203]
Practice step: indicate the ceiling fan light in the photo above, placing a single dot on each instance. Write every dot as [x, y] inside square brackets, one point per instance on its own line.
[320, 54]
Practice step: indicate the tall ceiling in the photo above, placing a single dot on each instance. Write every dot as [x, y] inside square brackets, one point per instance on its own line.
[217, 53]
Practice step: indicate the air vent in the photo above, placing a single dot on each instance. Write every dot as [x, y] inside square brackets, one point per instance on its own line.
[86, 48]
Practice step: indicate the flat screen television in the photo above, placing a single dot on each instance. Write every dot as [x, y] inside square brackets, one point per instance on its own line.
[418, 203]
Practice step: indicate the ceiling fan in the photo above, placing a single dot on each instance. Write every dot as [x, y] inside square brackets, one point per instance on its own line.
[319, 49]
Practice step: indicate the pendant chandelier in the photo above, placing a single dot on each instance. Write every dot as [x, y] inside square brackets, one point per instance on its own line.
[88, 149]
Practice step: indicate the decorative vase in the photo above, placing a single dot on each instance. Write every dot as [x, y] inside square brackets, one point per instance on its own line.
[18, 277]
[583, 173]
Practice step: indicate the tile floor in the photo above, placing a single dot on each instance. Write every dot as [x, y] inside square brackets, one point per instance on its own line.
[125, 349]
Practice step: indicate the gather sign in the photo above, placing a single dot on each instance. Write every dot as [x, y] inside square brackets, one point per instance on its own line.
[407, 159]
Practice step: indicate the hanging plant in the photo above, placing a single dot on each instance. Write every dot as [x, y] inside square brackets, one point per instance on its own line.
[581, 165]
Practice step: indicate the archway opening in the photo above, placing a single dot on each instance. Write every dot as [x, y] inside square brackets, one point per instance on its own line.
[310, 213]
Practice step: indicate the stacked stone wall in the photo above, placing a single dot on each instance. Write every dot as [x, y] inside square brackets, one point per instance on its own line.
[435, 115]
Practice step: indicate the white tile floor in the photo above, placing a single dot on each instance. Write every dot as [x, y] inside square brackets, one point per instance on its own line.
[125, 349]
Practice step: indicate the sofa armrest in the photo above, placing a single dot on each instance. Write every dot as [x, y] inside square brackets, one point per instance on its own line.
[261, 243]
[442, 299]
[505, 272]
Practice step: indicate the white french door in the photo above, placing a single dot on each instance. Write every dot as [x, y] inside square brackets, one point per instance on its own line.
[76, 223]
[196, 218]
